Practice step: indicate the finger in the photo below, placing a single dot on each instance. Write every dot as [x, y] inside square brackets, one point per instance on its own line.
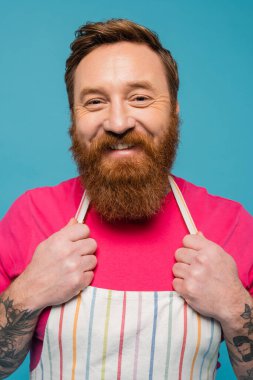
[71, 222]
[196, 242]
[180, 270]
[87, 278]
[76, 231]
[178, 285]
[89, 262]
[85, 246]
[185, 255]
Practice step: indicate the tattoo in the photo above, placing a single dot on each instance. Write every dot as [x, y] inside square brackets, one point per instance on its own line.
[249, 375]
[247, 314]
[15, 326]
[243, 343]
[235, 359]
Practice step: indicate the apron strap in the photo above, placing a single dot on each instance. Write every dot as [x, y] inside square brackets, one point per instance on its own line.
[83, 208]
[84, 205]
[183, 207]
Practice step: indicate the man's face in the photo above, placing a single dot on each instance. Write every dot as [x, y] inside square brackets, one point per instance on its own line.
[124, 130]
[120, 87]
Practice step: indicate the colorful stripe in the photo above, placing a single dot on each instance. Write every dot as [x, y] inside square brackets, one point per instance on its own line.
[153, 336]
[137, 336]
[60, 340]
[87, 376]
[108, 309]
[79, 299]
[42, 370]
[184, 342]
[197, 347]
[116, 353]
[208, 349]
[49, 355]
[211, 360]
[122, 329]
[169, 339]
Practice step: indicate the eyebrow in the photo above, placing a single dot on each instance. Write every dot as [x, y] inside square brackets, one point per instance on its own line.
[146, 85]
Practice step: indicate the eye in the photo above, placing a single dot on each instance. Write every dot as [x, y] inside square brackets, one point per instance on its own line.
[94, 104]
[140, 100]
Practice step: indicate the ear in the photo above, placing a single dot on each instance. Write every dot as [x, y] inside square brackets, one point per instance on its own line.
[177, 108]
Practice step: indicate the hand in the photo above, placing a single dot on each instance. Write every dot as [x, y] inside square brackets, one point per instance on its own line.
[206, 277]
[61, 267]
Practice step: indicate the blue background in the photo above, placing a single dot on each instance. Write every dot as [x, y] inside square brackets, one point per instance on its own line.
[213, 44]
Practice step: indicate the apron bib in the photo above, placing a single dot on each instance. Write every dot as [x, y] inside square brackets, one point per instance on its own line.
[129, 335]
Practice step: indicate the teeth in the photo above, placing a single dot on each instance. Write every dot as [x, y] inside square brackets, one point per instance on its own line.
[121, 146]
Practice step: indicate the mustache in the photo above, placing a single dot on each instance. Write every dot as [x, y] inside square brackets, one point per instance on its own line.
[136, 139]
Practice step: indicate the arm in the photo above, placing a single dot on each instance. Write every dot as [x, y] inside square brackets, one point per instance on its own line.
[17, 324]
[238, 334]
[206, 276]
[61, 267]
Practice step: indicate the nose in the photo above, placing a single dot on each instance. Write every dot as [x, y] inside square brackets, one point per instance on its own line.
[118, 120]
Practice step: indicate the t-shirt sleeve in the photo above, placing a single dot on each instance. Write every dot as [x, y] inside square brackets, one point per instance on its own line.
[14, 241]
[240, 246]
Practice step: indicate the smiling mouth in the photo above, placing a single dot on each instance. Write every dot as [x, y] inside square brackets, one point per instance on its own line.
[121, 147]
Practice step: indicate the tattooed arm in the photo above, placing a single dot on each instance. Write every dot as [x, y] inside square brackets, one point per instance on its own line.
[239, 340]
[17, 324]
[60, 268]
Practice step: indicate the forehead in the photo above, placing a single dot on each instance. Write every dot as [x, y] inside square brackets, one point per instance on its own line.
[119, 63]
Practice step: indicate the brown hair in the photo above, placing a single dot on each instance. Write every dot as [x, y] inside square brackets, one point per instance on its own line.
[94, 34]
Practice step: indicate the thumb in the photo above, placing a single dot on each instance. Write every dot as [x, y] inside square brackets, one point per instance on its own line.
[200, 233]
[71, 222]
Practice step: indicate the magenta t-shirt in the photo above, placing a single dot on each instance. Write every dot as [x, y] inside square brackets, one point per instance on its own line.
[131, 256]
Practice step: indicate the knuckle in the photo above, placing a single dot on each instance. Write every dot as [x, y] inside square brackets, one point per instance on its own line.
[75, 283]
[57, 244]
[202, 259]
[70, 265]
[64, 252]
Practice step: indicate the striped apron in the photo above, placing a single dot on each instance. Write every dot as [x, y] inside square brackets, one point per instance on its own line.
[129, 335]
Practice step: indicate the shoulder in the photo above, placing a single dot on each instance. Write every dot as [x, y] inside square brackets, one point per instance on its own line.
[201, 200]
[62, 190]
[46, 199]
[219, 218]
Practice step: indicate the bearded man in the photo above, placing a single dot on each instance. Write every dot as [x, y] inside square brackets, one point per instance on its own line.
[129, 288]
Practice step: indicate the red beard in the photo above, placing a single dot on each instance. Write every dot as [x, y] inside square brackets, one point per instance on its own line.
[127, 188]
